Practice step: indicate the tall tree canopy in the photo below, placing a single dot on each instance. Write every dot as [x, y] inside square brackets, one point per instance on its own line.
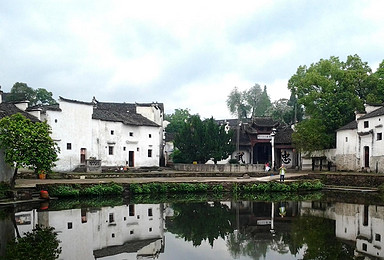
[21, 92]
[252, 102]
[286, 111]
[330, 92]
[27, 144]
[200, 141]
[176, 120]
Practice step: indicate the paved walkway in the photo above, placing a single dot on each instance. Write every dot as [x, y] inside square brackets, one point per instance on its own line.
[31, 183]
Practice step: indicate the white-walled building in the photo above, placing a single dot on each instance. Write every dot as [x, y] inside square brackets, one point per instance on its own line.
[119, 232]
[360, 145]
[117, 134]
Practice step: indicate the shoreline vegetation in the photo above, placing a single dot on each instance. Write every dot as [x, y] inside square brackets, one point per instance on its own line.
[77, 190]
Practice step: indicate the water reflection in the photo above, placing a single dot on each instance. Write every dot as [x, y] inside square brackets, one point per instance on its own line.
[325, 229]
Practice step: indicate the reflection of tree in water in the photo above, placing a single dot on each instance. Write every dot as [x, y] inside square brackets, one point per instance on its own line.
[200, 221]
[256, 245]
[318, 235]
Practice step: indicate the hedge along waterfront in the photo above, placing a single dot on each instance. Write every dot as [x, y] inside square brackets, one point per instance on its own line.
[78, 190]
[302, 185]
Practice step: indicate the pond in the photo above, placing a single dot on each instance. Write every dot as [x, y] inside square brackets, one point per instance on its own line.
[326, 225]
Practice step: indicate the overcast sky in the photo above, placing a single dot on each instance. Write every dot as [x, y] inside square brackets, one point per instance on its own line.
[185, 54]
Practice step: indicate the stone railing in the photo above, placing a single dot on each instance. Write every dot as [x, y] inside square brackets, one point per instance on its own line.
[219, 167]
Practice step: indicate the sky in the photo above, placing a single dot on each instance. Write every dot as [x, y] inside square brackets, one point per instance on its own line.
[184, 54]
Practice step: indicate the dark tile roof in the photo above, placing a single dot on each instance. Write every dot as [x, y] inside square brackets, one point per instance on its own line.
[264, 122]
[44, 108]
[126, 118]
[8, 109]
[350, 126]
[283, 135]
[127, 247]
[115, 112]
[155, 104]
[121, 107]
[75, 101]
[377, 112]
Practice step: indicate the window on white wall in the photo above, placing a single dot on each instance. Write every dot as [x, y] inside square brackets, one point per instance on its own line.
[130, 133]
[112, 132]
[69, 146]
[150, 135]
[366, 124]
[379, 136]
[149, 152]
[110, 150]
[346, 139]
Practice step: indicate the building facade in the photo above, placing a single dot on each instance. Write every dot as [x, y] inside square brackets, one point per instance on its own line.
[260, 140]
[360, 145]
[114, 134]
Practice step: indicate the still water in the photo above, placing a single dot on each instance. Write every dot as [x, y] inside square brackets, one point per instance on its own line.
[316, 226]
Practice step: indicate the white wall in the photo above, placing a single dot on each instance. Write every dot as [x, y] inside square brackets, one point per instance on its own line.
[74, 125]
[98, 232]
[71, 125]
[143, 139]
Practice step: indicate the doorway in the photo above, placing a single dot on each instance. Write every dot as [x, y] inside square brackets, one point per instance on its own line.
[366, 156]
[83, 152]
[131, 159]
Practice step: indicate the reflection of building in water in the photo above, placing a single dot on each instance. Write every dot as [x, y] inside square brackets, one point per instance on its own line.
[120, 232]
[26, 221]
[362, 224]
[259, 217]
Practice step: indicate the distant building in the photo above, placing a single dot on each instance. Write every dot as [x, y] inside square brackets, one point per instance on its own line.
[117, 135]
[360, 145]
[114, 134]
[259, 140]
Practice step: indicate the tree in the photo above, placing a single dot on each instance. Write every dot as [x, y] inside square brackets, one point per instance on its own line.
[41, 243]
[286, 110]
[237, 104]
[263, 104]
[330, 92]
[43, 97]
[375, 84]
[254, 102]
[27, 144]
[21, 92]
[253, 97]
[176, 120]
[202, 140]
[209, 222]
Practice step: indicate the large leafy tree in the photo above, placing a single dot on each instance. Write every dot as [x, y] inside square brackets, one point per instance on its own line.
[176, 120]
[251, 102]
[200, 141]
[21, 92]
[330, 92]
[286, 110]
[237, 104]
[263, 104]
[27, 144]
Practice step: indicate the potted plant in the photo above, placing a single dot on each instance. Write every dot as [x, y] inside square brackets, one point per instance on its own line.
[42, 174]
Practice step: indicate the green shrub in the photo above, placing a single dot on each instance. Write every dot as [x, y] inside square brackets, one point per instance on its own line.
[63, 191]
[103, 189]
[217, 188]
[41, 243]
